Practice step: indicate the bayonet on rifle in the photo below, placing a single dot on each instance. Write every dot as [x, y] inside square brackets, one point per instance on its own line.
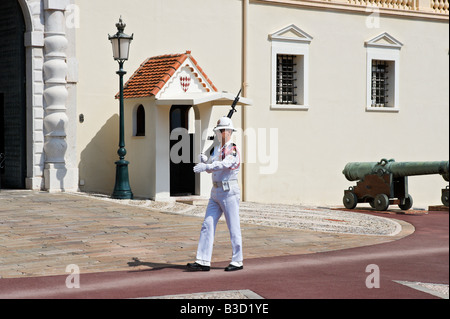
[233, 106]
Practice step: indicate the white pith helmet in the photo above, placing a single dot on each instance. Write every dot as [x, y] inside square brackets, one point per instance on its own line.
[224, 123]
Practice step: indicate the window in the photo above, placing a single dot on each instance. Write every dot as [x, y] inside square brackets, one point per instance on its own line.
[290, 56]
[286, 79]
[381, 83]
[140, 121]
[383, 68]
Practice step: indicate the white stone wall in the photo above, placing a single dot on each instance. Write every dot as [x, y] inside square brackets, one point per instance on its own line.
[314, 144]
[50, 99]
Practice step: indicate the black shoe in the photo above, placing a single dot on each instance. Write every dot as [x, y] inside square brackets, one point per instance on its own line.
[233, 268]
[197, 267]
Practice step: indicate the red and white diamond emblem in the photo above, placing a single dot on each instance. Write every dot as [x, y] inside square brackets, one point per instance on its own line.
[185, 82]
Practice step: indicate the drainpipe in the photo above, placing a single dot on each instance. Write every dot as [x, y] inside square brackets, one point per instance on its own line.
[245, 8]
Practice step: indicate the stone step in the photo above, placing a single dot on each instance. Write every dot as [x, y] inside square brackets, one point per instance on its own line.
[192, 200]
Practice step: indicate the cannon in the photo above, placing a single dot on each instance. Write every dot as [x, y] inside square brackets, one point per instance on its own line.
[386, 182]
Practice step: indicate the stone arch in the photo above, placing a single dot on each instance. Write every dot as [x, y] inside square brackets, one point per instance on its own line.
[46, 96]
[34, 43]
[13, 129]
[27, 15]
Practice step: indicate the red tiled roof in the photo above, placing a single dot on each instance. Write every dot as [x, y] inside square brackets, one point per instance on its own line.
[154, 73]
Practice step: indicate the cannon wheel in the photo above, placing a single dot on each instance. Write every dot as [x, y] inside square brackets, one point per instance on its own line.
[444, 197]
[408, 203]
[381, 202]
[350, 200]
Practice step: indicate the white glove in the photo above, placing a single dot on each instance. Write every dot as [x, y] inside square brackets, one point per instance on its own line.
[202, 158]
[200, 167]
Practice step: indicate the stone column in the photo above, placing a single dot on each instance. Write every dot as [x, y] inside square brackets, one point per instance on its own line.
[55, 96]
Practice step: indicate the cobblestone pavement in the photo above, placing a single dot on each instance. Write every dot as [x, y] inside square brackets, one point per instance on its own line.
[321, 219]
[230, 294]
[41, 233]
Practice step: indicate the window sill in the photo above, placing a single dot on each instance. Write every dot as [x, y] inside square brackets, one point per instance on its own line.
[138, 137]
[382, 109]
[289, 107]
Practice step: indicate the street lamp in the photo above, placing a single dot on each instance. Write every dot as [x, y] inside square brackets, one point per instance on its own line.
[121, 49]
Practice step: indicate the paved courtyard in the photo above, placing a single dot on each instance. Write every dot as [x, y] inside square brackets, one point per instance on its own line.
[41, 233]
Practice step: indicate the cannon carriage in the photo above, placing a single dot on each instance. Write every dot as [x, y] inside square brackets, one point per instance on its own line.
[385, 182]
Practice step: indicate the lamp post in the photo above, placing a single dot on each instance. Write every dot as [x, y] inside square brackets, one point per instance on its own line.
[121, 47]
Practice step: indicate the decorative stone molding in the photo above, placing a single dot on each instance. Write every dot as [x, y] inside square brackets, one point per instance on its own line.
[384, 47]
[425, 9]
[55, 94]
[34, 45]
[293, 41]
[51, 78]
[440, 6]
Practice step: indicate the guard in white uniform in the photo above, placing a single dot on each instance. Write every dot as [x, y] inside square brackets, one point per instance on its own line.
[224, 166]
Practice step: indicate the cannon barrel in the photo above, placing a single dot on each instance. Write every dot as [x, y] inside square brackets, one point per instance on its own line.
[357, 170]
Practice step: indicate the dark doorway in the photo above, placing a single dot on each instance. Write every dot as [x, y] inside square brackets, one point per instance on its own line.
[2, 138]
[12, 95]
[182, 177]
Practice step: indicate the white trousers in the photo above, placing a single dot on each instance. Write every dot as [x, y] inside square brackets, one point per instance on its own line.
[226, 202]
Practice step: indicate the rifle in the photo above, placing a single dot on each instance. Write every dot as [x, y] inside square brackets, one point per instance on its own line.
[212, 140]
[233, 106]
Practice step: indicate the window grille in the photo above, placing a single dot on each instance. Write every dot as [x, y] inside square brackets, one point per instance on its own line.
[286, 79]
[380, 83]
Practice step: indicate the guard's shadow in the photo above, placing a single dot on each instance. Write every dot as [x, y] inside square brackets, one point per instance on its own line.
[157, 266]
[152, 266]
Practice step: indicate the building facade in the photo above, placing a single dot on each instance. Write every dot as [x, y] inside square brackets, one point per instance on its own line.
[38, 94]
[327, 82]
